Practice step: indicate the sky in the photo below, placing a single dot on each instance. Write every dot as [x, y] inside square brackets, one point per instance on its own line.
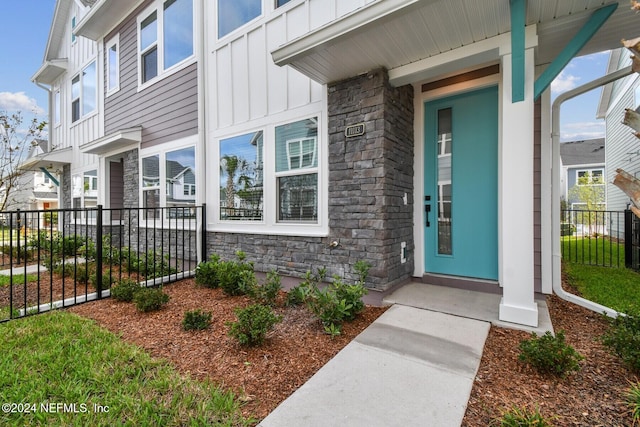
[22, 52]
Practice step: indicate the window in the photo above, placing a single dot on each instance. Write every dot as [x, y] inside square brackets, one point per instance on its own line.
[84, 92]
[84, 191]
[591, 177]
[241, 177]
[113, 65]
[178, 172]
[296, 145]
[234, 14]
[73, 27]
[281, 2]
[56, 107]
[165, 37]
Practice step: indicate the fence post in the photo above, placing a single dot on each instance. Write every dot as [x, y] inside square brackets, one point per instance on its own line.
[18, 241]
[99, 251]
[203, 235]
[628, 238]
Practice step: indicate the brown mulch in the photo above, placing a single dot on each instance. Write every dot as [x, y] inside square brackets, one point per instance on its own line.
[593, 396]
[263, 376]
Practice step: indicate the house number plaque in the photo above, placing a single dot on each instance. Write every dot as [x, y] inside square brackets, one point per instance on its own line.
[354, 130]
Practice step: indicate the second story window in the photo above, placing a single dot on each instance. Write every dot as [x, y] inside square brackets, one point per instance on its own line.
[234, 14]
[281, 2]
[113, 65]
[83, 92]
[165, 37]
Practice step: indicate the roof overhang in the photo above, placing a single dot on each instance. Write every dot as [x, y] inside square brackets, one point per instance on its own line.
[117, 141]
[103, 17]
[53, 160]
[50, 71]
[404, 35]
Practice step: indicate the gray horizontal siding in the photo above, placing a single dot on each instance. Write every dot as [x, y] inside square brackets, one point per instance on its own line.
[166, 110]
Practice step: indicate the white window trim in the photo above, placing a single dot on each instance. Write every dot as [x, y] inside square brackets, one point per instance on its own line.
[74, 22]
[82, 173]
[57, 107]
[113, 41]
[269, 223]
[161, 151]
[84, 115]
[157, 6]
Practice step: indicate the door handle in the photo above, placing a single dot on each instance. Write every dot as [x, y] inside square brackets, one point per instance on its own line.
[427, 209]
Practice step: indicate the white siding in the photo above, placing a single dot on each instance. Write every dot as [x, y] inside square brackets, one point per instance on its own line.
[79, 54]
[245, 83]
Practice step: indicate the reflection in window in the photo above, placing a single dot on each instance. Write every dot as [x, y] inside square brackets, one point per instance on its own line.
[281, 2]
[178, 31]
[445, 141]
[233, 14]
[297, 170]
[151, 186]
[149, 47]
[241, 177]
[180, 171]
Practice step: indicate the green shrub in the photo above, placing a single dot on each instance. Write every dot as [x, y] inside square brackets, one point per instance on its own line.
[236, 277]
[633, 401]
[78, 272]
[337, 303]
[125, 290]
[253, 324]
[107, 280]
[362, 269]
[150, 264]
[196, 320]
[267, 292]
[517, 417]
[623, 339]
[207, 273]
[549, 354]
[150, 299]
[301, 293]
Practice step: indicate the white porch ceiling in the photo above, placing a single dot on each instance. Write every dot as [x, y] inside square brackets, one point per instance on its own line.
[418, 29]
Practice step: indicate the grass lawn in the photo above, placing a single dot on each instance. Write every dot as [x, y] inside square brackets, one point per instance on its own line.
[71, 372]
[589, 250]
[617, 288]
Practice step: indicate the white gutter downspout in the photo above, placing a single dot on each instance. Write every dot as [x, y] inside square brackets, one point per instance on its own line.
[555, 186]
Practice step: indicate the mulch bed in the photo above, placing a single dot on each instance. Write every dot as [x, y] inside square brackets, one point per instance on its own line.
[263, 376]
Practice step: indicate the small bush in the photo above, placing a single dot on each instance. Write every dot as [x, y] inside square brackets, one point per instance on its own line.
[623, 339]
[207, 273]
[150, 299]
[236, 277]
[337, 303]
[125, 290]
[517, 417]
[196, 320]
[549, 354]
[253, 324]
[108, 279]
[268, 292]
[633, 401]
[300, 294]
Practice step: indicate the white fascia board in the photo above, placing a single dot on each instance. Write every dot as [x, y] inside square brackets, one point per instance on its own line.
[103, 17]
[116, 140]
[353, 23]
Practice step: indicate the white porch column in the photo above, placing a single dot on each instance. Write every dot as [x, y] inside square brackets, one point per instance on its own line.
[515, 195]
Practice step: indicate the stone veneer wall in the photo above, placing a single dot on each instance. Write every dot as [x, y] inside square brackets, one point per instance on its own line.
[370, 192]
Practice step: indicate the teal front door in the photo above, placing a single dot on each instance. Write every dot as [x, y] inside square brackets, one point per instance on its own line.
[461, 185]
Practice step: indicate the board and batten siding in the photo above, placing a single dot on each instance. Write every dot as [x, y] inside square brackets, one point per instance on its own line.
[66, 134]
[167, 110]
[245, 84]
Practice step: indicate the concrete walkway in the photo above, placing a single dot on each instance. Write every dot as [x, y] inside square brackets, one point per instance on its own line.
[414, 366]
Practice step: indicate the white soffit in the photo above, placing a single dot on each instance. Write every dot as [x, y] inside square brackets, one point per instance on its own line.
[116, 141]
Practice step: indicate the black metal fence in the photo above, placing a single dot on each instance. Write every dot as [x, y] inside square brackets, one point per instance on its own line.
[59, 258]
[597, 238]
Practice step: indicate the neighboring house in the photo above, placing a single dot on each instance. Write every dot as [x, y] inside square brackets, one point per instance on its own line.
[583, 167]
[411, 134]
[622, 147]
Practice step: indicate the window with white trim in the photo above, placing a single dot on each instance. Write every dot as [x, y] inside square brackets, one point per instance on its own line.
[177, 170]
[165, 37]
[73, 27]
[113, 64]
[84, 191]
[590, 177]
[281, 2]
[233, 14]
[84, 92]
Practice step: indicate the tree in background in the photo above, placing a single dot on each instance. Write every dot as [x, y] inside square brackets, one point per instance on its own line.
[16, 138]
